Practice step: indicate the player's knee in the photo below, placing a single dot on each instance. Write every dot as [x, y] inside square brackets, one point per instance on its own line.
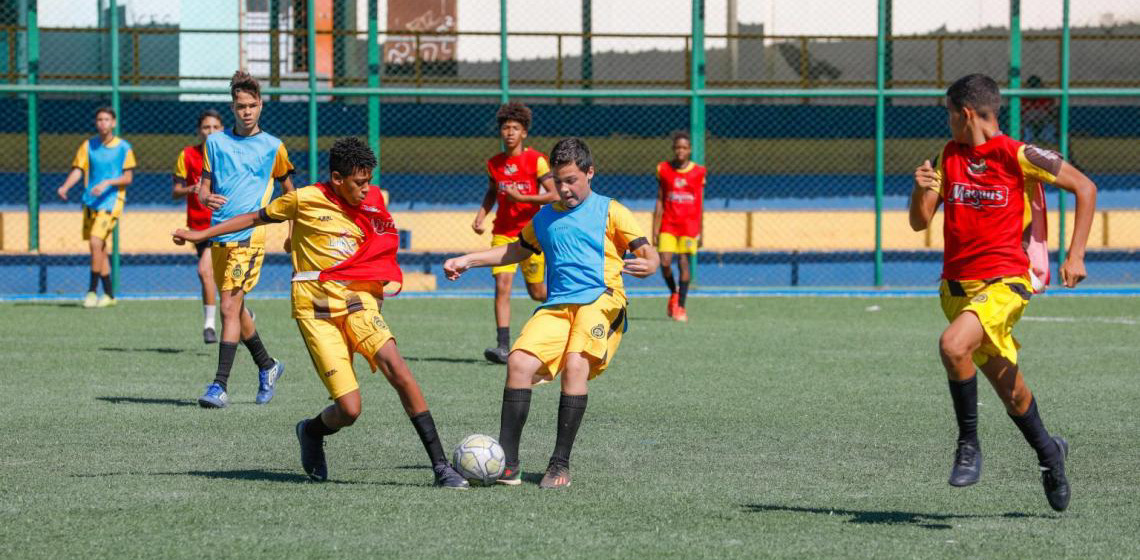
[954, 348]
[348, 411]
[666, 262]
[521, 367]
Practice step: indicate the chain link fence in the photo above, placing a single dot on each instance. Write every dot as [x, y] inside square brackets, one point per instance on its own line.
[791, 195]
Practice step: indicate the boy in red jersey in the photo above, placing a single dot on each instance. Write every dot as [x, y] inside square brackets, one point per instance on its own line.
[514, 177]
[985, 180]
[678, 219]
[187, 174]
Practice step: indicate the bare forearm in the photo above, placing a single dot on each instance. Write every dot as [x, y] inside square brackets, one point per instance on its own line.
[497, 256]
[180, 189]
[922, 206]
[237, 223]
[286, 184]
[72, 178]
[122, 181]
[1082, 225]
[205, 189]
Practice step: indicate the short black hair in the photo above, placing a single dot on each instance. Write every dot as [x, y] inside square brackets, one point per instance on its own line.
[682, 135]
[351, 154]
[244, 81]
[106, 109]
[571, 150]
[208, 114]
[514, 111]
[976, 91]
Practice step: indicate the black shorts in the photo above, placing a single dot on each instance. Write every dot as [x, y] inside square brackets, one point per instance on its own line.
[202, 247]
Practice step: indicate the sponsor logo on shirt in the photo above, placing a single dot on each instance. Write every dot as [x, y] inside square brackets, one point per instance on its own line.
[978, 196]
[324, 218]
[682, 197]
[976, 167]
[680, 182]
[510, 169]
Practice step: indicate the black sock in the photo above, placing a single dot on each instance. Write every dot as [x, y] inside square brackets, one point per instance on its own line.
[684, 291]
[316, 428]
[425, 427]
[107, 291]
[226, 353]
[504, 336]
[94, 284]
[670, 283]
[257, 350]
[1034, 431]
[571, 408]
[965, 397]
[516, 407]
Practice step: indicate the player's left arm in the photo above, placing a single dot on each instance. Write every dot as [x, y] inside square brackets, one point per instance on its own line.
[1071, 179]
[237, 223]
[510, 253]
[626, 232]
[283, 171]
[545, 180]
[122, 181]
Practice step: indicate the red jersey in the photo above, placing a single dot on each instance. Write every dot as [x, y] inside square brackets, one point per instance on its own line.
[523, 174]
[682, 192]
[985, 193]
[189, 169]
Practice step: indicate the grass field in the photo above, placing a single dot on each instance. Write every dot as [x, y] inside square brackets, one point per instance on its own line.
[765, 427]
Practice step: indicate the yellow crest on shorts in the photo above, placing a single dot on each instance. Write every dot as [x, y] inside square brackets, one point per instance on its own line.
[236, 272]
[980, 298]
[379, 323]
[598, 331]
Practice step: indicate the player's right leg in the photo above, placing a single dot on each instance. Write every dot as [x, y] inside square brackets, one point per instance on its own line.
[522, 367]
[498, 353]
[209, 292]
[95, 246]
[956, 347]
[683, 264]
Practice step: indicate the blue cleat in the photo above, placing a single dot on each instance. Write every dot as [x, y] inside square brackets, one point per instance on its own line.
[214, 397]
[267, 382]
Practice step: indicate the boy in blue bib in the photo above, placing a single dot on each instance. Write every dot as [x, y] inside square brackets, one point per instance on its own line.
[576, 331]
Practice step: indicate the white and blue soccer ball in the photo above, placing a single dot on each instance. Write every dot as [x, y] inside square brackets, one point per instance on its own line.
[479, 459]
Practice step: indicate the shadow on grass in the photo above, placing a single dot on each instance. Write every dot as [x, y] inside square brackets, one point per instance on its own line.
[252, 475]
[146, 400]
[447, 360]
[865, 517]
[150, 350]
[46, 304]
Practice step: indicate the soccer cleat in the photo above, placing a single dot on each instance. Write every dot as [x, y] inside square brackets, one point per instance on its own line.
[512, 476]
[446, 477]
[267, 382]
[496, 355]
[557, 476]
[214, 397]
[90, 300]
[209, 335]
[680, 315]
[106, 301]
[312, 454]
[1054, 480]
[967, 467]
[670, 309]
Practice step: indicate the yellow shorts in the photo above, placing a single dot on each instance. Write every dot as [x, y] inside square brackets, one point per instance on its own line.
[534, 266]
[669, 243]
[594, 329]
[236, 267]
[998, 305]
[331, 343]
[99, 224]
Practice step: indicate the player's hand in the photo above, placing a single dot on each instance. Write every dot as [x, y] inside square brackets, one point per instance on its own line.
[288, 244]
[181, 236]
[454, 268]
[637, 266]
[925, 176]
[1073, 271]
[193, 189]
[477, 226]
[215, 201]
[62, 192]
[99, 188]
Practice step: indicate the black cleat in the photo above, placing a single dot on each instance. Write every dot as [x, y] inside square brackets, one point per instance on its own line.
[312, 454]
[557, 476]
[1054, 480]
[967, 467]
[496, 355]
[446, 477]
[209, 335]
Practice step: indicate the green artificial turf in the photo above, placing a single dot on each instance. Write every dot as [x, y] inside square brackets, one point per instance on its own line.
[765, 427]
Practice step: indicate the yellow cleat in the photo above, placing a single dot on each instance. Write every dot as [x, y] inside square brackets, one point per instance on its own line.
[90, 300]
[105, 301]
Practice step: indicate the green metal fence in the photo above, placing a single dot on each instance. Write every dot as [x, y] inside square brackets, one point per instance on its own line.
[806, 76]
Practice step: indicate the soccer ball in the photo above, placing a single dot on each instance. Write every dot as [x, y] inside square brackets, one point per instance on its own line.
[480, 459]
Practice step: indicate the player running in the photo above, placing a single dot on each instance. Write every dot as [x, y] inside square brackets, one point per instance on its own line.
[678, 219]
[576, 332]
[187, 174]
[514, 177]
[990, 186]
[344, 256]
[239, 166]
[106, 164]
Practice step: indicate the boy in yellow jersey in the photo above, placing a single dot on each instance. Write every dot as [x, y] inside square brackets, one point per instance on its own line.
[344, 255]
[239, 166]
[106, 164]
[576, 332]
[519, 183]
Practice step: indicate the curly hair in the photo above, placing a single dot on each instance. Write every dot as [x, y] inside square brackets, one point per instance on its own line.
[351, 154]
[514, 111]
[243, 81]
[976, 91]
[682, 135]
[571, 150]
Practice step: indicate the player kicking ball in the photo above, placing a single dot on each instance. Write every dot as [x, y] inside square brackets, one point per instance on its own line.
[989, 186]
[576, 332]
[344, 256]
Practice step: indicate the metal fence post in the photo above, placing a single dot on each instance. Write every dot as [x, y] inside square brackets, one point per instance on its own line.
[33, 54]
[697, 124]
[1066, 53]
[880, 135]
[504, 62]
[115, 104]
[311, 36]
[1015, 68]
[374, 82]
